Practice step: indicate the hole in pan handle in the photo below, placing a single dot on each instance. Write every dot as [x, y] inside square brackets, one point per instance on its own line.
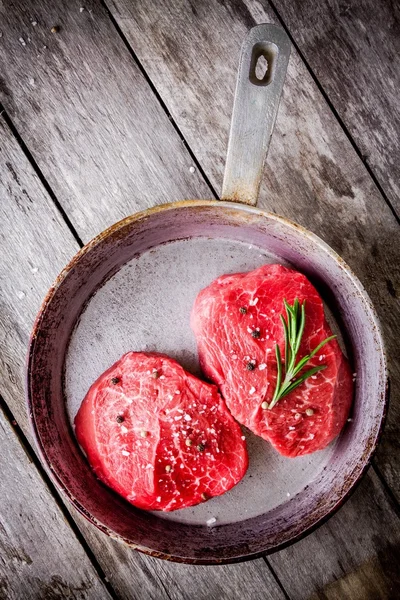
[258, 91]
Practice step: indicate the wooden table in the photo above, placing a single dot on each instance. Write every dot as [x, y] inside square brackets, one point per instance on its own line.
[111, 107]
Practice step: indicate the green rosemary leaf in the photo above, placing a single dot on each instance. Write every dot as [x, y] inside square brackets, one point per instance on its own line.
[278, 377]
[301, 327]
[301, 379]
[287, 345]
[318, 348]
[293, 329]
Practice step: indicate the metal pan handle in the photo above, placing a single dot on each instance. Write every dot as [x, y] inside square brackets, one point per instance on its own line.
[254, 111]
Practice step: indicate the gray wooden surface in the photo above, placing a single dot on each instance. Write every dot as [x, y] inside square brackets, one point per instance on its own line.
[352, 48]
[40, 555]
[108, 115]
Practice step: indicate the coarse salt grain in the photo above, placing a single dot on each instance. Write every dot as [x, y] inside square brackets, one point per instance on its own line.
[253, 302]
[158, 499]
[124, 429]
[243, 437]
[252, 390]
[187, 418]
[211, 521]
[262, 366]
[125, 453]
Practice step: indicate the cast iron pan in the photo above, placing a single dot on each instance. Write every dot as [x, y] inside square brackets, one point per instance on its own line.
[132, 288]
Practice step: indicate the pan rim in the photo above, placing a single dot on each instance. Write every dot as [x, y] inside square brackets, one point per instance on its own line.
[143, 215]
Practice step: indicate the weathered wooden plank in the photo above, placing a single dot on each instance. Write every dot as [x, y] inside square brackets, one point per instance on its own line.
[313, 175]
[40, 556]
[85, 111]
[358, 552]
[36, 246]
[352, 47]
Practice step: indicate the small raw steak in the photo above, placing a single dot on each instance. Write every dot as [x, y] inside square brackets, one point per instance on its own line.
[159, 436]
[237, 324]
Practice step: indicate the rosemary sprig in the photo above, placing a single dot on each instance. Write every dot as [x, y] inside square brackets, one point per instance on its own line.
[293, 331]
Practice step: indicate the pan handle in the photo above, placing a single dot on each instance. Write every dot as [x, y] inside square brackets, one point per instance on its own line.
[254, 111]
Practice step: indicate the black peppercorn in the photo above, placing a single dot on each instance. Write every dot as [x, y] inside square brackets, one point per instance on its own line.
[255, 334]
[243, 310]
[250, 366]
[200, 447]
[120, 419]
[115, 380]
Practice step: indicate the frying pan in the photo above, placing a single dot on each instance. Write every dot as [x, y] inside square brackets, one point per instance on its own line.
[132, 288]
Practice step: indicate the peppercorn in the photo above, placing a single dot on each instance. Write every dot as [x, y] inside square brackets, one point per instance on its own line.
[155, 374]
[250, 366]
[201, 447]
[55, 29]
[243, 310]
[115, 380]
[120, 419]
[255, 334]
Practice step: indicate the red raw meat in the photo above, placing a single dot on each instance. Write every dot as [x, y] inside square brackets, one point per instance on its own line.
[308, 418]
[159, 436]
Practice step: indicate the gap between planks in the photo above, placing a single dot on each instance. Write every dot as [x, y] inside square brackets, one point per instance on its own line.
[38, 171]
[335, 113]
[55, 494]
[159, 98]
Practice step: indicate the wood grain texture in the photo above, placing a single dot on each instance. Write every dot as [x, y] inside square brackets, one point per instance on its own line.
[40, 557]
[353, 48]
[355, 555]
[313, 175]
[85, 111]
[36, 245]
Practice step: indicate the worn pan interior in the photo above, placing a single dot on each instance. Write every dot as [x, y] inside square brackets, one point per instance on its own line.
[132, 288]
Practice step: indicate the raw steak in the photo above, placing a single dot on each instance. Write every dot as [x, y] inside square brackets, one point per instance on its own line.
[237, 323]
[159, 436]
